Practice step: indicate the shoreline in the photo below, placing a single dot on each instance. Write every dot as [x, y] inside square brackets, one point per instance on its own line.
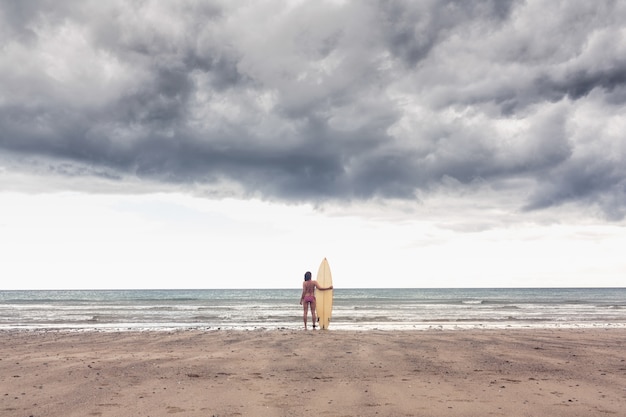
[335, 327]
[557, 372]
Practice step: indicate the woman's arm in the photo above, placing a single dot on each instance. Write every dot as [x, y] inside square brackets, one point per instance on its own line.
[317, 285]
[302, 296]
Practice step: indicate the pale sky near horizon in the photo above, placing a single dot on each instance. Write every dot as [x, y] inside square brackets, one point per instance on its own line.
[224, 144]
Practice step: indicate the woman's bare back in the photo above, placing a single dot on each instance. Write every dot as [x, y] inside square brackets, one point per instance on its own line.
[309, 287]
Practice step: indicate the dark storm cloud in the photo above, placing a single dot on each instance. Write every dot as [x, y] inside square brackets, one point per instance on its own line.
[320, 100]
[412, 29]
[577, 85]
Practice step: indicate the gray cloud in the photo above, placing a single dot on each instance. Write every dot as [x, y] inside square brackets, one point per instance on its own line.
[321, 100]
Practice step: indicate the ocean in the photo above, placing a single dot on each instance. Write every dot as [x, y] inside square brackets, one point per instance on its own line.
[354, 309]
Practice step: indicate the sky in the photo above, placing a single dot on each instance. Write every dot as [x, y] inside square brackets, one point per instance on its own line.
[235, 144]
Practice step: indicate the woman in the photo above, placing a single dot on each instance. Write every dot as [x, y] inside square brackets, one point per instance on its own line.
[308, 296]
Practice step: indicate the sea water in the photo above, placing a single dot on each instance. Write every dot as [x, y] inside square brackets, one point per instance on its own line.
[354, 309]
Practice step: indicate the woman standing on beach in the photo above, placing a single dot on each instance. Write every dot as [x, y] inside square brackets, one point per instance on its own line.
[308, 296]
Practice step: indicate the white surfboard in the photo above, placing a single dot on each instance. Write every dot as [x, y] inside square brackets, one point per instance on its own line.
[324, 299]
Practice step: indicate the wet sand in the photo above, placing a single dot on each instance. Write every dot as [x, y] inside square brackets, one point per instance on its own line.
[535, 372]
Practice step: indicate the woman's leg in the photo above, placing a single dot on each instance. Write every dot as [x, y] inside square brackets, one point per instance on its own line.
[305, 306]
[313, 311]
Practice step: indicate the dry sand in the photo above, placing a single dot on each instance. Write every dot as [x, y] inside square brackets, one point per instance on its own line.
[331, 373]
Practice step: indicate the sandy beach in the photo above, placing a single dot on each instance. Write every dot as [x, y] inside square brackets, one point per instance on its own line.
[333, 373]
